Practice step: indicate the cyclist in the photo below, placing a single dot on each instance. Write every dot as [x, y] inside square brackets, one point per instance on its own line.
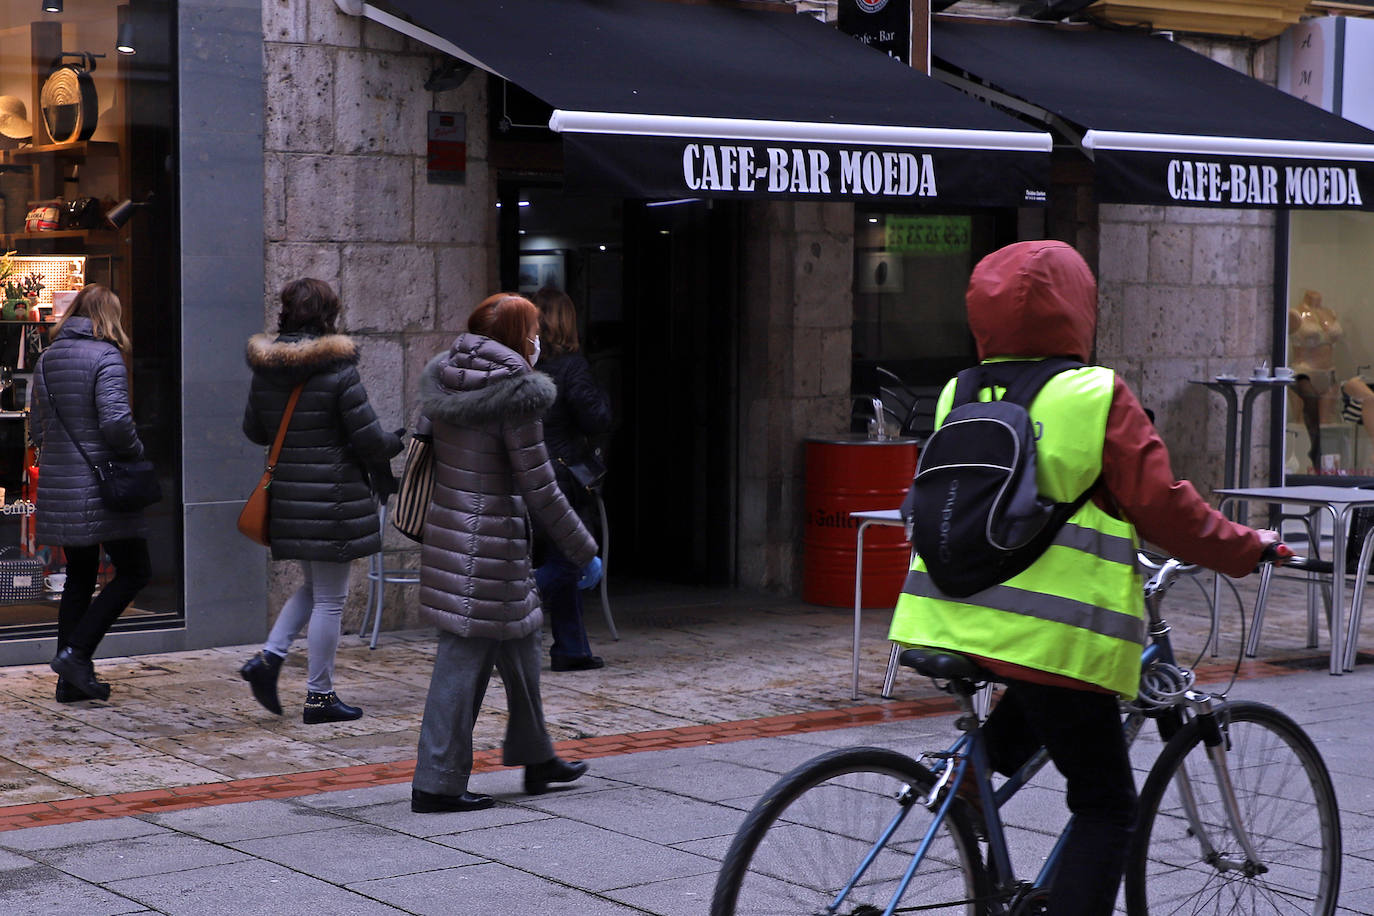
[1066, 634]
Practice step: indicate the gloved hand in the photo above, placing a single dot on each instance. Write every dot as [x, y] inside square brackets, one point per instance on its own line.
[591, 574]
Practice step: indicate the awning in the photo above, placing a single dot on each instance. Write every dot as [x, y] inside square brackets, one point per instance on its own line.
[1163, 124]
[674, 100]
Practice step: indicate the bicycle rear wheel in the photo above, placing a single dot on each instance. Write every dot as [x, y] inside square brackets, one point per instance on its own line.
[1288, 806]
[806, 838]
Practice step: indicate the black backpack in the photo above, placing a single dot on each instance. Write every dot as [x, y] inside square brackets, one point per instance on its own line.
[975, 514]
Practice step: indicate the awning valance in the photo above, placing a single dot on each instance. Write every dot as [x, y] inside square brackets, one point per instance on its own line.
[1163, 124]
[671, 100]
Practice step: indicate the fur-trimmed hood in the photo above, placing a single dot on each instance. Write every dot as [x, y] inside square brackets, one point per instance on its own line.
[296, 356]
[479, 380]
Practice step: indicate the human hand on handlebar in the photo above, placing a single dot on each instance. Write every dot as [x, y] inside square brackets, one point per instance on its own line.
[1275, 551]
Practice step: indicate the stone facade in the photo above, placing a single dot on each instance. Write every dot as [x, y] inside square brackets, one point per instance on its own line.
[347, 201]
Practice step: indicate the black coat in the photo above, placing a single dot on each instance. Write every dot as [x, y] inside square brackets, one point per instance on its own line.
[88, 379]
[322, 507]
[580, 413]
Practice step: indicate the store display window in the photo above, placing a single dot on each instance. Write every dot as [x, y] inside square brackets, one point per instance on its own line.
[911, 269]
[87, 195]
[1330, 415]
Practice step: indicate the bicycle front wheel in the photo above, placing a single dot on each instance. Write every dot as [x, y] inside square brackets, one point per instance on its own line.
[801, 849]
[1186, 857]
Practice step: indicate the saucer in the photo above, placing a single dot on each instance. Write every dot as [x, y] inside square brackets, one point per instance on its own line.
[1226, 378]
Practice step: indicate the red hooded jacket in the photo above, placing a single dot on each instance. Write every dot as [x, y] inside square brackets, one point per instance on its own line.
[1039, 299]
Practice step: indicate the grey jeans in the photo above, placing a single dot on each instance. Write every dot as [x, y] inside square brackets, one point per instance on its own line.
[462, 670]
[318, 602]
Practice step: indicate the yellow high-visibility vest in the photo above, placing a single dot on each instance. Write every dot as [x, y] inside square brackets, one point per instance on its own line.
[1078, 610]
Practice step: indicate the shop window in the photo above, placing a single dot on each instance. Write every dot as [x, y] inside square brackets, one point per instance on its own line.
[910, 273]
[87, 194]
[1330, 416]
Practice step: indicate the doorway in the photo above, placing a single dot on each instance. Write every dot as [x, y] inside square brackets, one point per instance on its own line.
[655, 286]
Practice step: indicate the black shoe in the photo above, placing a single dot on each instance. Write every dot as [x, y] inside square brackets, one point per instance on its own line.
[586, 663]
[261, 672]
[327, 707]
[539, 775]
[66, 693]
[74, 667]
[433, 803]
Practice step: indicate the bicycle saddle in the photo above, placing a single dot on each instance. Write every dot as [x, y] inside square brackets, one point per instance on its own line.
[945, 665]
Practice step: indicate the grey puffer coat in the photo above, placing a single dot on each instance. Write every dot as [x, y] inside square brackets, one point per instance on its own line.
[322, 507]
[89, 382]
[483, 404]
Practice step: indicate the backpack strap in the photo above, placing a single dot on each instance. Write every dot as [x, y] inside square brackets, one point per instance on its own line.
[1020, 379]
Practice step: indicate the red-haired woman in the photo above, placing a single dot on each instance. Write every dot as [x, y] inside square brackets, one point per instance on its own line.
[482, 402]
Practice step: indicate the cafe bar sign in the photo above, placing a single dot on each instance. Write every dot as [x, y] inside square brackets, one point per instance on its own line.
[677, 167]
[1186, 177]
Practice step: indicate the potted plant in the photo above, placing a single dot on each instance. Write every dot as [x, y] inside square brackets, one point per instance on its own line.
[32, 285]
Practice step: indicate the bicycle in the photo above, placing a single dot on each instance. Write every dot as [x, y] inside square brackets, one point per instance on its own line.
[1237, 814]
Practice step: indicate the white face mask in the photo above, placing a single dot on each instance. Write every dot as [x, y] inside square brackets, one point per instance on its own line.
[534, 358]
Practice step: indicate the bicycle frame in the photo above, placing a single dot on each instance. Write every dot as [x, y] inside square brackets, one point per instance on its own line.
[1171, 709]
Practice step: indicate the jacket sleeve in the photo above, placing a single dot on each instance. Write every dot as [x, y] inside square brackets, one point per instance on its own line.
[1167, 512]
[252, 421]
[588, 401]
[38, 414]
[364, 431]
[534, 479]
[115, 418]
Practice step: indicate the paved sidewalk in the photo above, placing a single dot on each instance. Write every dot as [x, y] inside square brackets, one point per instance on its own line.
[182, 795]
[644, 833]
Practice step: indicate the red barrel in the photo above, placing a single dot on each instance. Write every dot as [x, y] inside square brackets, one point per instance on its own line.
[854, 475]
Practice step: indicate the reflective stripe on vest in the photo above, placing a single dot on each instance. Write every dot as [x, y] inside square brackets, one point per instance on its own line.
[1077, 611]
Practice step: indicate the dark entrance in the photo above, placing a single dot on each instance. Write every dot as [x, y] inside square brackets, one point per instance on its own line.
[655, 288]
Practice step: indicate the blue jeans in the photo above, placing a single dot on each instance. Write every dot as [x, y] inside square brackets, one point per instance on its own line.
[318, 603]
[557, 581]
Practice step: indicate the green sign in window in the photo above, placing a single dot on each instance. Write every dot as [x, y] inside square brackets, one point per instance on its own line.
[928, 234]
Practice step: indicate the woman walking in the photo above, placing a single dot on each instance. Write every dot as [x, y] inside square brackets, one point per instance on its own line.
[482, 402]
[581, 411]
[81, 395]
[323, 511]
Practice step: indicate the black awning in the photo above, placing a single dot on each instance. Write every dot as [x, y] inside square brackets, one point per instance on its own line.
[675, 100]
[1163, 124]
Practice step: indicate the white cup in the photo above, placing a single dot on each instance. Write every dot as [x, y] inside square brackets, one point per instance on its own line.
[55, 582]
[1283, 372]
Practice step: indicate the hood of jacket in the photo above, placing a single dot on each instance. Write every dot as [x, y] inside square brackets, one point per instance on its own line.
[479, 380]
[75, 327]
[1033, 299]
[293, 357]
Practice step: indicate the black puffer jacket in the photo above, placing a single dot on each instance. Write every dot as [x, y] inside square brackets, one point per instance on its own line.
[482, 403]
[322, 507]
[90, 384]
[581, 411]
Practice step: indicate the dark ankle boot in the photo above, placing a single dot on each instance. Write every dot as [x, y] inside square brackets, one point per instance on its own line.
[66, 693]
[434, 803]
[261, 672]
[555, 769]
[74, 667]
[327, 707]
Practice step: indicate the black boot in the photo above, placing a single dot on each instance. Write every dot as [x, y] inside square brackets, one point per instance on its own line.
[434, 803]
[555, 769]
[261, 672]
[327, 707]
[74, 667]
[66, 693]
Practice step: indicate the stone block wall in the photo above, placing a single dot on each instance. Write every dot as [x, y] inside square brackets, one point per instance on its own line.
[347, 200]
[798, 277]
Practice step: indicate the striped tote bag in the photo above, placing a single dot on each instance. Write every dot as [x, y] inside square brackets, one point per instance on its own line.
[416, 489]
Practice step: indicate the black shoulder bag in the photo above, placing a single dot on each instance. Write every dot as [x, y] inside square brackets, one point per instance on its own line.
[125, 486]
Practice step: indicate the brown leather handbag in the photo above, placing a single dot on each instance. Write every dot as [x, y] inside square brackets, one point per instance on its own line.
[254, 519]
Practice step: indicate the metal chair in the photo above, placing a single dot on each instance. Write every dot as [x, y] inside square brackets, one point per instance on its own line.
[605, 541]
[1313, 584]
[379, 575]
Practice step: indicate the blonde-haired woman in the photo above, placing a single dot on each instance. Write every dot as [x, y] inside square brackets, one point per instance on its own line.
[81, 394]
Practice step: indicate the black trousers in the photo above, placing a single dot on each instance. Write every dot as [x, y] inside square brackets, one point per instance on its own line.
[1082, 732]
[82, 622]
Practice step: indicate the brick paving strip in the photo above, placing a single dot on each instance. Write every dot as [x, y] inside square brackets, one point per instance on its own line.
[288, 785]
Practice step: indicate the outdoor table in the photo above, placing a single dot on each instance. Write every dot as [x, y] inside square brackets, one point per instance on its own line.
[1340, 502]
[886, 517]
